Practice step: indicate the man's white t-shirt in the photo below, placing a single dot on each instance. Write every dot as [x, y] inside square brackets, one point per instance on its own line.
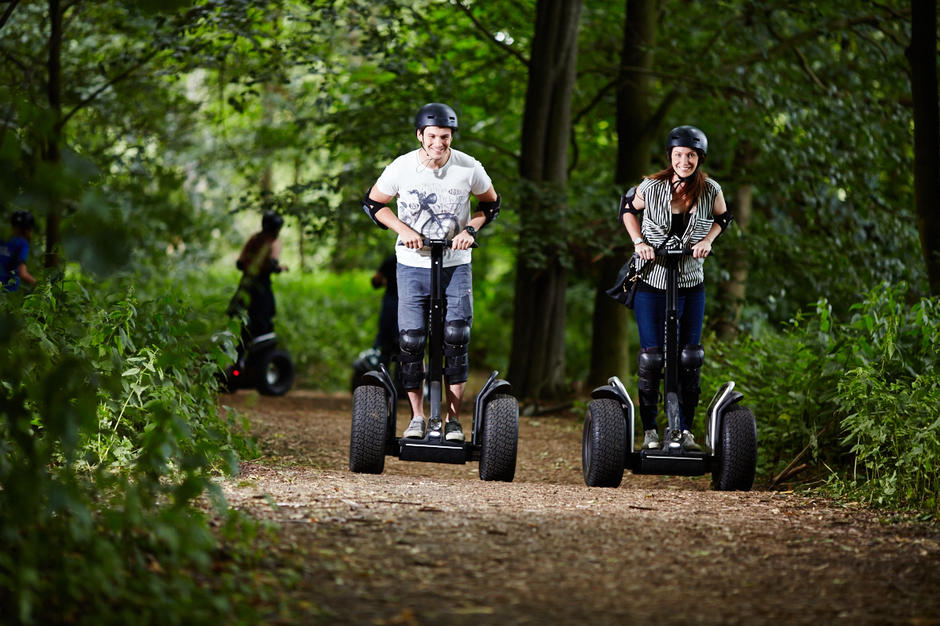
[434, 202]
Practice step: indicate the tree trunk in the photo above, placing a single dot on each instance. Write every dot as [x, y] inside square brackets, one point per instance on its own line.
[610, 353]
[732, 292]
[537, 360]
[50, 150]
[922, 55]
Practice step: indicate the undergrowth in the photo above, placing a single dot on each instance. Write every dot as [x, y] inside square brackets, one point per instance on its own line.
[859, 396]
[110, 437]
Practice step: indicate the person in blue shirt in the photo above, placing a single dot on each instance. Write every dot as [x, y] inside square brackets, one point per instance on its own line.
[15, 251]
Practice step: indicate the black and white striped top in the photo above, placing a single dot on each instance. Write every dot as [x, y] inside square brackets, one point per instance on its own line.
[657, 218]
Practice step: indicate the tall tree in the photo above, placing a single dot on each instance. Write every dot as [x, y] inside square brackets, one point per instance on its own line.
[637, 123]
[922, 55]
[537, 361]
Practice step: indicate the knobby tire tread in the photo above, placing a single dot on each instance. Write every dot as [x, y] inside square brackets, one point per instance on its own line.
[500, 438]
[369, 430]
[603, 444]
[737, 459]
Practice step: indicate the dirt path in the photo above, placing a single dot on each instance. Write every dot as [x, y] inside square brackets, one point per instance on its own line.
[429, 544]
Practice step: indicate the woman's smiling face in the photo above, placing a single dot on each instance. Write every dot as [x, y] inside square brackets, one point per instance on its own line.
[684, 161]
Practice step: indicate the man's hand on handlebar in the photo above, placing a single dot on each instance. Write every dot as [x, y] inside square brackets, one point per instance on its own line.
[462, 241]
[410, 239]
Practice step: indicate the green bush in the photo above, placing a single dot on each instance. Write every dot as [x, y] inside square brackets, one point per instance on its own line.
[890, 402]
[861, 397]
[109, 437]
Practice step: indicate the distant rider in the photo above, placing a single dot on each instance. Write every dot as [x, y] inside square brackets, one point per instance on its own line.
[259, 259]
[15, 251]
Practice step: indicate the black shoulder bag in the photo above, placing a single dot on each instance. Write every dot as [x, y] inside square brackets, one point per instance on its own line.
[627, 281]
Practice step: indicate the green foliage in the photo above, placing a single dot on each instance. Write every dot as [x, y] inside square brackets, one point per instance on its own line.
[109, 438]
[325, 320]
[890, 402]
[862, 395]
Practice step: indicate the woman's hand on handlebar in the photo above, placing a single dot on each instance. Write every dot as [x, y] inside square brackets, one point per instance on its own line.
[645, 251]
[702, 249]
[462, 241]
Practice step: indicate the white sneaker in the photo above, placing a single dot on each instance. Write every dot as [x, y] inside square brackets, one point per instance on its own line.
[415, 428]
[688, 442]
[453, 431]
[650, 439]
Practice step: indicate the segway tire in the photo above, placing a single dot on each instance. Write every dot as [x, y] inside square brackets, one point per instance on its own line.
[275, 373]
[500, 438]
[369, 430]
[736, 453]
[604, 444]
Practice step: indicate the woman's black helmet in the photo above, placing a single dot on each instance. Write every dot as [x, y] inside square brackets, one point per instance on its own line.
[687, 137]
[436, 114]
[23, 220]
[271, 222]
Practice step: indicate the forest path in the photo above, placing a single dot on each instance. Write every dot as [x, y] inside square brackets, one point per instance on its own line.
[429, 544]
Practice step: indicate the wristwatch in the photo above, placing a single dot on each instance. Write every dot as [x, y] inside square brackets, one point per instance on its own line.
[638, 240]
[470, 229]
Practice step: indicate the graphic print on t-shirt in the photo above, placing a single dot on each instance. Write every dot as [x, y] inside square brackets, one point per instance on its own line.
[431, 211]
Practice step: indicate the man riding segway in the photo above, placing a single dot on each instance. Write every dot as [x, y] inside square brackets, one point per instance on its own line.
[436, 230]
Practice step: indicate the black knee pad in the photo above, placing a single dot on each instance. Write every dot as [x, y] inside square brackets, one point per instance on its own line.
[692, 356]
[411, 345]
[650, 373]
[456, 363]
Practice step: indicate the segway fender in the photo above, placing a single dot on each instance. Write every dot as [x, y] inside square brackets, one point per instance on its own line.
[491, 386]
[608, 392]
[724, 398]
[615, 390]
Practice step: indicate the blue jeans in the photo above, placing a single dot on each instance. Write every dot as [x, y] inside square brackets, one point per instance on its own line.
[414, 295]
[650, 311]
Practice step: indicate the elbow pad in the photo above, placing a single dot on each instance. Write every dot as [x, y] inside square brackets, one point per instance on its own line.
[490, 209]
[724, 220]
[371, 207]
[626, 204]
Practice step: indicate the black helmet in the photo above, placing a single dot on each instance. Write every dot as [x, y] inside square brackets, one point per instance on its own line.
[23, 220]
[687, 137]
[271, 222]
[436, 114]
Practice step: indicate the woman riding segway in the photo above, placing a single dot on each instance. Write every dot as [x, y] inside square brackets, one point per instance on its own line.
[683, 212]
[684, 204]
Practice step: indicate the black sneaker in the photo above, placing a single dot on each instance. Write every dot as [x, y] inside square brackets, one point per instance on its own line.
[687, 441]
[452, 430]
[415, 428]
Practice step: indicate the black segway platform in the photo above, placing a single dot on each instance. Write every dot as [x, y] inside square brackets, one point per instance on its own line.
[493, 438]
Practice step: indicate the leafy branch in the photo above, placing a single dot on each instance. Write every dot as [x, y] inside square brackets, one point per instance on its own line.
[502, 45]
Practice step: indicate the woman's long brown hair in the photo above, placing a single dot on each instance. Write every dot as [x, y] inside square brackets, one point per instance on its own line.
[691, 191]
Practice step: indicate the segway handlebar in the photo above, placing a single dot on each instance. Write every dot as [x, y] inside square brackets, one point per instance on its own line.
[678, 252]
[447, 242]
